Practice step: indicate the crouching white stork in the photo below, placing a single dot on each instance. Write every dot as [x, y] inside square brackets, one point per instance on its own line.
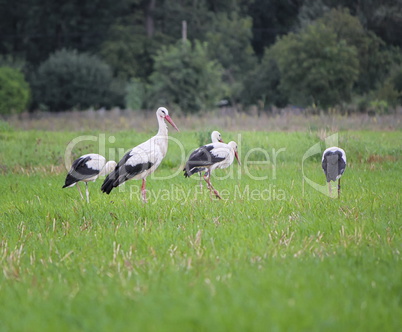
[334, 164]
[88, 168]
[209, 157]
[142, 160]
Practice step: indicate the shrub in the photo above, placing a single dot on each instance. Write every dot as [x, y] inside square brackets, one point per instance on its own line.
[135, 94]
[69, 80]
[315, 67]
[15, 92]
[185, 77]
[372, 62]
[378, 107]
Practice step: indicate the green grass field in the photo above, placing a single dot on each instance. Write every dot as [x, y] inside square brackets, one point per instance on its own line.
[274, 255]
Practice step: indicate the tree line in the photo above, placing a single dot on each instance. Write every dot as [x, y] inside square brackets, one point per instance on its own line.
[188, 55]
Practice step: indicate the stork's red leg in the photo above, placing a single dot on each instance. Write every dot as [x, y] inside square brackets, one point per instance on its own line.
[143, 191]
[210, 187]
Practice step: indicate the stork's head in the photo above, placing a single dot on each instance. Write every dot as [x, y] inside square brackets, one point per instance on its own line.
[233, 145]
[216, 137]
[164, 114]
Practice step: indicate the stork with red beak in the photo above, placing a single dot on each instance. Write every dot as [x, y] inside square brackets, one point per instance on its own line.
[142, 160]
[215, 138]
[209, 157]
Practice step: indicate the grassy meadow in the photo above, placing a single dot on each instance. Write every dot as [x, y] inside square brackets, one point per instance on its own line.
[274, 255]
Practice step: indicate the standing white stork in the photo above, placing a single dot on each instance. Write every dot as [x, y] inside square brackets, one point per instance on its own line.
[142, 160]
[88, 168]
[209, 157]
[215, 137]
[334, 163]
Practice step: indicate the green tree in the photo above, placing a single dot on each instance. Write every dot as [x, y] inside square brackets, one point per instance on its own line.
[391, 89]
[14, 91]
[185, 77]
[226, 36]
[383, 17]
[316, 67]
[69, 79]
[135, 94]
[32, 30]
[373, 63]
[310, 11]
[168, 17]
[272, 18]
[129, 52]
[262, 85]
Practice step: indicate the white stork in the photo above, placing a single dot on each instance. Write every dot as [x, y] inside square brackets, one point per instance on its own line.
[215, 137]
[142, 160]
[209, 157]
[334, 163]
[88, 168]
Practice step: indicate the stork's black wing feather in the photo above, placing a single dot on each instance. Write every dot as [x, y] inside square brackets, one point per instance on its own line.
[199, 159]
[80, 171]
[333, 165]
[324, 164]
[123, 172]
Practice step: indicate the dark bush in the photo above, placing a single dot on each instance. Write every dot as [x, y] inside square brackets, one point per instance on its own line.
[70, 80]
[15, 92]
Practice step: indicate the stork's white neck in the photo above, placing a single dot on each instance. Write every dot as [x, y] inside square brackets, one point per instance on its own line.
[163, 131]
[109, 166]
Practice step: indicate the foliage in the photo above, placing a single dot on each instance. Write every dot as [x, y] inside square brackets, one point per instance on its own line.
[10, 61]
[128, 34]
[227, 35]
[262, 85]
[69, 79]
[310, 11]
[389, 94]
[384, 18]
[378, 106]
[129, 52]
[33, 30]
[184, 76]
[15, 92]
[170, 14]
[5, 127]
[272, 19]
[135, 94]
[396, 78]
[316, 67]
[373, 62]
